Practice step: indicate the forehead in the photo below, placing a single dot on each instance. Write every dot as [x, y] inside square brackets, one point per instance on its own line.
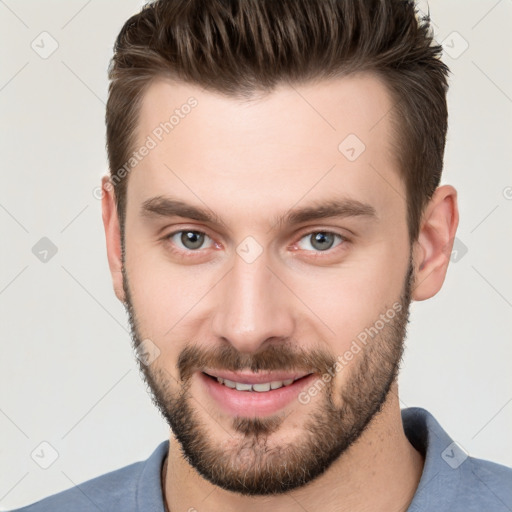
[298, 140]
[358, 104]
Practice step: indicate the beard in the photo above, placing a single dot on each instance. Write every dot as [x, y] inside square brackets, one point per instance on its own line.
[248, 463]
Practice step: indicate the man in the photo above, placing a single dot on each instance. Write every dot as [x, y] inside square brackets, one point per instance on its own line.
[273, 207]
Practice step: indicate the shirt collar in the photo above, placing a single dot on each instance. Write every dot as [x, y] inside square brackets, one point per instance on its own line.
[440, 475]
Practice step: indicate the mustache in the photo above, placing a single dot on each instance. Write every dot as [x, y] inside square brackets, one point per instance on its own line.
[275, 357]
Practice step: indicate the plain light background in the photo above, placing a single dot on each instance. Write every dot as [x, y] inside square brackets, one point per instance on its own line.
[67, 373]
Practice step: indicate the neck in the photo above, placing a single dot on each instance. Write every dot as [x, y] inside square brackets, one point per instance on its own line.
[380, 472]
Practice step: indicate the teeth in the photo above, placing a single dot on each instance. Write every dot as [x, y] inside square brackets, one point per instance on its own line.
[242, 387]
[228, 383]
[260, 388]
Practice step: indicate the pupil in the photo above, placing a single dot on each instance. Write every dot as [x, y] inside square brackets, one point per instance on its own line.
[192, 239]
[322, 237]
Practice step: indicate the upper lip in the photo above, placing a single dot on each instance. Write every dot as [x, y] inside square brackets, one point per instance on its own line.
[255, 378]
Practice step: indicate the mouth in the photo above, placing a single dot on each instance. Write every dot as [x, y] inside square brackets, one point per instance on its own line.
[253, 394]
[269, 384]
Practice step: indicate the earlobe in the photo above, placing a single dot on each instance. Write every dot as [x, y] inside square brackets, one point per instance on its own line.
[112, 236]
[433, 248]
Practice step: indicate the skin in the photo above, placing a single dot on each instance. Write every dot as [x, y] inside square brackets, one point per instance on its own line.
[249, 161]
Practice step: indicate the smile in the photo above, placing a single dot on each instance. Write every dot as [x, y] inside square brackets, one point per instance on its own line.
[260, 388]
[254, 394]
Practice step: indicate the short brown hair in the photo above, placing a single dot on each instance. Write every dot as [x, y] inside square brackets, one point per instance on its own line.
[241, 47]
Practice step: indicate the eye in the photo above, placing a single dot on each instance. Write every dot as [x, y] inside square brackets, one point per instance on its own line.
[189, 239]
[321, 240]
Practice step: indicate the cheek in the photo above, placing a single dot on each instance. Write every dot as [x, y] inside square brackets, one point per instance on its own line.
[351, 298]
[166, 297]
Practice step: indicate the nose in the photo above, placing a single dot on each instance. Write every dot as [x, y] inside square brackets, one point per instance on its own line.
[253, 306]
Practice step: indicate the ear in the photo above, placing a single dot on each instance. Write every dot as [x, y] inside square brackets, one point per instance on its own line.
[112, 235]
[433, 248]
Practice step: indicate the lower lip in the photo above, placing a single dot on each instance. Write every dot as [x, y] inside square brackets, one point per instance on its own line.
[253, 403]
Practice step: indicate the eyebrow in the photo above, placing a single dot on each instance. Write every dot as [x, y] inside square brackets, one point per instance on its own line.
[161, 206]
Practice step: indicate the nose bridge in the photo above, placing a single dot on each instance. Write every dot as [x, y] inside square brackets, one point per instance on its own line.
[252, 306]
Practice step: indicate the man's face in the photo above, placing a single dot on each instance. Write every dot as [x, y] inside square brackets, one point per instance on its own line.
[242, 295]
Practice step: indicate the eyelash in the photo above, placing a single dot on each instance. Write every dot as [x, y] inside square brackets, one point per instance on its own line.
[197, 252]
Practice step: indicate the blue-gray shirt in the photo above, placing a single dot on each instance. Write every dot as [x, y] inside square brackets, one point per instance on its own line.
[451, 480]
